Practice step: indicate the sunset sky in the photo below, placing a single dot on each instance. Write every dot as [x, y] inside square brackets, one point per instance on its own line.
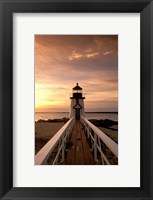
[62, 61]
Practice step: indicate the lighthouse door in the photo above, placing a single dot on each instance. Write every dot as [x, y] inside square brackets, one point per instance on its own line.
[77, 114]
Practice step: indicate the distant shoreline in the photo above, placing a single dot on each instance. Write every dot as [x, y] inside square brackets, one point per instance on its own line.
[89, 115]
[65, 119]
[85, 112]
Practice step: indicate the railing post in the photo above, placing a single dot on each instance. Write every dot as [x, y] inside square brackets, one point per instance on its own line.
[95, 147]
[63, 148]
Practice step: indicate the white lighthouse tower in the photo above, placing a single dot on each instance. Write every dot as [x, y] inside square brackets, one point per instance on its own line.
[77, 103]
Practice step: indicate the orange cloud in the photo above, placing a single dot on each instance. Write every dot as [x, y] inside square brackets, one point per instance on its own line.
[92, 55]
[76, 55]
[107, 53]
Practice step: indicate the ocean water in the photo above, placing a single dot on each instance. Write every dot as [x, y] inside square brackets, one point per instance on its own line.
[60, 115]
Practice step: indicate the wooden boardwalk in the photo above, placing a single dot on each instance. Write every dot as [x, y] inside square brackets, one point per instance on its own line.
[79, 153]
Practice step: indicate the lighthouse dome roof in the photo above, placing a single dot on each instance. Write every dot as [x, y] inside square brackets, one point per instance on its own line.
[77, 87]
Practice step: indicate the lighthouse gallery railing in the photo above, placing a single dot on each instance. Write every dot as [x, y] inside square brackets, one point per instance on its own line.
[57, 141]
[96, 137]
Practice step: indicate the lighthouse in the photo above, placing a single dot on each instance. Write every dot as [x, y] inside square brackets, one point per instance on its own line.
[77, 103]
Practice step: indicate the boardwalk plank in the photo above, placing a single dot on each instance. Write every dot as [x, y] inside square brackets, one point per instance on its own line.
[79, 153]
[70, 160]
[79, 149]
[87, 152]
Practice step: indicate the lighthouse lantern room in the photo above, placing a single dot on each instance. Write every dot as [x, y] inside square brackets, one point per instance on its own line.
[77, 103]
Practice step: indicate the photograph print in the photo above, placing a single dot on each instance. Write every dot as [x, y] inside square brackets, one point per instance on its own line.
[76, 99]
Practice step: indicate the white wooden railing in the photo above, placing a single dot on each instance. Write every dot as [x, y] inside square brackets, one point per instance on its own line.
[57, 141]
[97, 137]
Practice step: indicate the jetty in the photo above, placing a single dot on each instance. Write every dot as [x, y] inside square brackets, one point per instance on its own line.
[78, 142]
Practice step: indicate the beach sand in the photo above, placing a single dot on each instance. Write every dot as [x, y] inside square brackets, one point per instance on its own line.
[44, 131]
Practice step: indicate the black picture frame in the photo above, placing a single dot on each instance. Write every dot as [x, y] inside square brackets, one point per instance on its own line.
[7, 8]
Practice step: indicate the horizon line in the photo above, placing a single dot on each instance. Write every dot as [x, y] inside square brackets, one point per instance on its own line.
[85, 112]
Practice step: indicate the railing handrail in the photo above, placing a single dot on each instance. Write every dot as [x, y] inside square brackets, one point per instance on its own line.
[108, 141]
[42, 156]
